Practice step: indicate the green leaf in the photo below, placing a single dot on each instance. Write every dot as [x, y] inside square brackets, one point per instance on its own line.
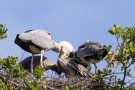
[105, 71]
[107, 47]
[116, 30]
[39, 71]
[3, 31]
[130, 32]
[133, 61]
[31, 87]
[119, 57]
[2, 85]
[69, 88]
[129, 74]
[112, 30]
[132, 46]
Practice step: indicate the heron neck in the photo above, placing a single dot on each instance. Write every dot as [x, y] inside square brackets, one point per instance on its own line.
[56, 47]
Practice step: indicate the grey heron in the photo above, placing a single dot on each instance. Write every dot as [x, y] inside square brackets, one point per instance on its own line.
[90, 53]
[36, 42]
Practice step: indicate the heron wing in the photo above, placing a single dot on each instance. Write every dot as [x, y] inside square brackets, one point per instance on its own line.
[82, 70]
[91, 52]
[43, 33]
[48, 64]
[66, 67]
[86, 51]
[30, 34]
[43, 42]
[40, 38]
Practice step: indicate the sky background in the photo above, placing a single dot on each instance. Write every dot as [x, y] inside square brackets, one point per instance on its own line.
[71, 20]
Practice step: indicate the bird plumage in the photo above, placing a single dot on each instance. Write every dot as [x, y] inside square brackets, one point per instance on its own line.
[35, 42]
[71, 68]
[67, 66]
[65, 49]
[91, 52]
[40, 38]
[47, 64]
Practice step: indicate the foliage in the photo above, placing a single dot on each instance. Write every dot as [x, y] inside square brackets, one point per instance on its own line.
[3, 31]
[13, 76]
[124, 54]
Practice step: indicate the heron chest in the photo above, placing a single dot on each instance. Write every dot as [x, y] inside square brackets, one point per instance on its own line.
[88, 61]
[34, 49]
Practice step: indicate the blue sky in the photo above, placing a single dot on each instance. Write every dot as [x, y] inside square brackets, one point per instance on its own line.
[72, 20]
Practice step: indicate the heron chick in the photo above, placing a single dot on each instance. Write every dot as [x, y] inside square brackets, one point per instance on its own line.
[90, 53]
[66, 49]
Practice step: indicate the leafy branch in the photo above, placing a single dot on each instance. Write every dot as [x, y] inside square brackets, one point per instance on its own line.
[125, 51]
[3, 31]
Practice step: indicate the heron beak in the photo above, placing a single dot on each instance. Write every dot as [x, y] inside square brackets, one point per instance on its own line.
[104, 52]
[17, 38]
[61, 54]
[56, 47]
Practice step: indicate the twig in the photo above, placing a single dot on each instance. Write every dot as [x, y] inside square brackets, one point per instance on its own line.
[8, 81]
[124, 77]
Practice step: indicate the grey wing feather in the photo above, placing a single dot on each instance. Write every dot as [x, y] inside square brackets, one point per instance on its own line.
[71, 68]
[38, 37]
[42, 33]
[27, 36]
[83, 70]
[48, 64]
[43, 42]
[86, 51]
[66, 67]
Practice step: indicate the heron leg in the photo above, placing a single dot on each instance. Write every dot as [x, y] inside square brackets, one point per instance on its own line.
[95, 67]
[31, 64]
[41, 59]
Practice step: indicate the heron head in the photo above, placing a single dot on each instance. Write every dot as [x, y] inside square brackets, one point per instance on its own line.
[88, 41]
[66, 49]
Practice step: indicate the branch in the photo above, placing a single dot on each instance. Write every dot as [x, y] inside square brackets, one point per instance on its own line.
[118, 42]
[8, 81]
[124, 77]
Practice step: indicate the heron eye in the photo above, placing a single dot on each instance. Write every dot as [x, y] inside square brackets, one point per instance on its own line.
[71, 54]
[49, 33]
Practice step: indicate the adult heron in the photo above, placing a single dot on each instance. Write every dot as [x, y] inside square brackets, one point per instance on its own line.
[36, 42]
